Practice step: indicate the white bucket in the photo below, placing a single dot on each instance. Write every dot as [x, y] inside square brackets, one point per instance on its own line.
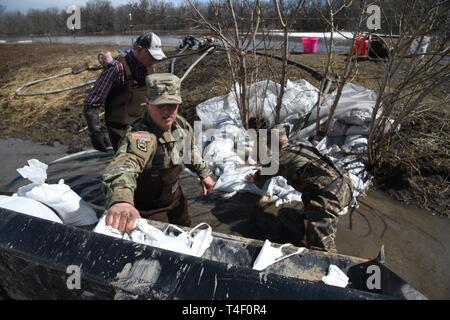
[419, 46]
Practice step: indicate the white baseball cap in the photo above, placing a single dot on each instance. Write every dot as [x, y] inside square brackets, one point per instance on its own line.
[152, 43]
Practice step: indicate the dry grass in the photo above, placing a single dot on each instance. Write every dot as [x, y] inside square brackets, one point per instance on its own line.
[416, 166]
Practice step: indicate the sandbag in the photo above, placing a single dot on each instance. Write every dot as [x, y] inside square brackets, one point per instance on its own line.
[280, 191]
[194, 243]
[60, 197]
[29, 207]
[233, 180]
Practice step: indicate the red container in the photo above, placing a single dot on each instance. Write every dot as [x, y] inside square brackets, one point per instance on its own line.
[310, 45]
[361, 46]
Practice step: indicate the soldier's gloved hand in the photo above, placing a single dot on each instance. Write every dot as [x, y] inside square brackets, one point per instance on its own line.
[100, 141]
[122, 216]
[207, 185]
[99, 138]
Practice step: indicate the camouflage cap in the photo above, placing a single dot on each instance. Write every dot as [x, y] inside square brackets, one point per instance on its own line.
[163, 88]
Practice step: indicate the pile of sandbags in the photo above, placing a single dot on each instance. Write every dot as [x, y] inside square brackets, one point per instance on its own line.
[345, 144]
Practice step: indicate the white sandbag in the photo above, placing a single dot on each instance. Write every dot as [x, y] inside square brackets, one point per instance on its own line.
[218, 111]
[230, 146]
[335, 277]
[269, 255]
[360, 130]
[263, 100]
[280, 191]
[29, 207]
[355, 105]
[357, 165]
[36, 171]
[299, 98]
[220, 155]
[358, 117]
[173, 238]
[361, 183]
[233, 180]
[419, 46]
[60, 197]
[356, 141]
[337, 128]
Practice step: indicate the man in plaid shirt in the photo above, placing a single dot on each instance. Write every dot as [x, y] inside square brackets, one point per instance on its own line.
[121, 89]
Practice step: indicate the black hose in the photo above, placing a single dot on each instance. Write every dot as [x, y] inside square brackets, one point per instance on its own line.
[316, 74]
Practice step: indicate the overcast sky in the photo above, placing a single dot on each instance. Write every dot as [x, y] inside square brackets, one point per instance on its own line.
[24, 5]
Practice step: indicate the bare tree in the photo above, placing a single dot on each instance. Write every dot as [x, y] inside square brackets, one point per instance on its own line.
[97, 15]
[238, 36]
[409, 75]
[334, 8]
[160, 14]
[287, 12]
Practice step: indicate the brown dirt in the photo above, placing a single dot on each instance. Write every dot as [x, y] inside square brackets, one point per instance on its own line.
[416, 168]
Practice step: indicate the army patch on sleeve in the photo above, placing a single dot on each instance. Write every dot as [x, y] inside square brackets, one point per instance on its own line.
[142, 144]
[140, 136]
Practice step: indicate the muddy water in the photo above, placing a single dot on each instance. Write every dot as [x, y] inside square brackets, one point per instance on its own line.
[417, 244]
[14, 154]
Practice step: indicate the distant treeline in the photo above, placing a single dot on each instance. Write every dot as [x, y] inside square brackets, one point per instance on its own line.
[100, 17]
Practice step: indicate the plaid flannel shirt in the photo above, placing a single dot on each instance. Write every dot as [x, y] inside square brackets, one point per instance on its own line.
[113, 77]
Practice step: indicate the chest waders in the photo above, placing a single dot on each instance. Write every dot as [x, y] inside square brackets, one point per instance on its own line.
[123, 106]
[326, 191]
[158, 190]
[324, 164]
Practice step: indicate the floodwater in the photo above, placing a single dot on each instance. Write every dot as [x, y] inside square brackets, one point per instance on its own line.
[14, 154]
[342, 45]
[417, 244]
[295, 42]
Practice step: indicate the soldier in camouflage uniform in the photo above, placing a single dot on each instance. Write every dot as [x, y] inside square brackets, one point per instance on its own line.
[326, 191]
[143, 178]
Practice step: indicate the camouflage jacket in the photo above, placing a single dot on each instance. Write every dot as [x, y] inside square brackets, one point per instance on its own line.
[298, 164]
[136, 154]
